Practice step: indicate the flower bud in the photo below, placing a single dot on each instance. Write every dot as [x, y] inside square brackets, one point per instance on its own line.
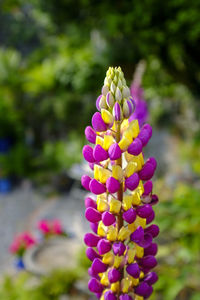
[90, 134]
[117, 112]
[110, 101]
[127, 108]
[118, 94]
[105, 90]
[125, 92]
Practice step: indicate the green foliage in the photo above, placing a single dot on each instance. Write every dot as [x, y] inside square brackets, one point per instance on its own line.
[178, 218]
[50, 287]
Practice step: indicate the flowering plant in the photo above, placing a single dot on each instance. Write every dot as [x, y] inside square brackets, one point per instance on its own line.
[121, 246]
[51, 228]
[21, 243]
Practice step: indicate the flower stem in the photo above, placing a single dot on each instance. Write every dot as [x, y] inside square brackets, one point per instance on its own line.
[119, 163]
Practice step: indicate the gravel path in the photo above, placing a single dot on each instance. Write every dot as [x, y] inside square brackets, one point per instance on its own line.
[22, 208]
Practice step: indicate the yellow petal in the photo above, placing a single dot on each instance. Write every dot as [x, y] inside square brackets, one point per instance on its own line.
[125, 285]
[107, 116]
[117, 172]
[130, 169]
[102, 205]
[115, 287]
[108, 141]
[131, 255]
[112, 233]
[104, 279]
[104, 174]
[108, 258]
[123, 234]
[115, 206]
[117, 261]
[134, 125]
[127, 202]
[96, 171]
[136, 198]
[139, 251]
[139, 297]
[101, 231]
[134, 281]
[99, 141]
[124, 143]
[140, 222]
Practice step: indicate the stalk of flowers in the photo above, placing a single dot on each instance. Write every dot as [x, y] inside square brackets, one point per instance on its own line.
[51, 228]
[121, 246]
[21, 243]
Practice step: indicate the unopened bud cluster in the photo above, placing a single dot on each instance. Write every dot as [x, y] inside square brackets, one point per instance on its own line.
[115, 97]
[121, 246]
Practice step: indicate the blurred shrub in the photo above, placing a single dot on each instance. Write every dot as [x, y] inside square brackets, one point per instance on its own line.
[178, 218]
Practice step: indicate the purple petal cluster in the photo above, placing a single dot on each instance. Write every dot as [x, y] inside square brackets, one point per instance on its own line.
[121, 246]
[141, 112]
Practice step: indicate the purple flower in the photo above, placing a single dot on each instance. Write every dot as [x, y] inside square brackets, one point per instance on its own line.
[141, 109]
[121, 246]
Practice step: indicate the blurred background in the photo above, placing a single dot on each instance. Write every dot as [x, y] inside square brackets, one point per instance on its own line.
[53, 60]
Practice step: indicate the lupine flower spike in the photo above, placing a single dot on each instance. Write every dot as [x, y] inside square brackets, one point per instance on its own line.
[121, 246]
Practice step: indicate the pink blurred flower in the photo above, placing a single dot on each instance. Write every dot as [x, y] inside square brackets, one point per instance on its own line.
[57, 227]
[50, 227]
[21, 243]
[44, 226]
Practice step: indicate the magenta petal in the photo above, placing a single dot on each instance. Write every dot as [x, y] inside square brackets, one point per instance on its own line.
[90, 134]
[153, 230]
[109, 295]
[148, 186]
[114, 275]
[108, 218]
[98, 123]
[98, 266]
[96, 187]
[133, 270]
[151, 249]
[125, 297]
[135, 147]
[132, 182]
[146, 242]
[95, 286]
[85, 181]
[151, 278]
[94, 227]
[148, 128]
[118, 248]
[147, 171]
[152, 161]
[114, 151]
[92, 254]
[104, 246]
[150, 218]
[88, 153]
[89, 202]
[92, 215]
[91, 239]
[130, 215]
[99, 153]
[154, 199]
[148, 261]
[112, 185]
[144, 211]
[91, 273]
[142, 289]
[138, 235]
[144, 136]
